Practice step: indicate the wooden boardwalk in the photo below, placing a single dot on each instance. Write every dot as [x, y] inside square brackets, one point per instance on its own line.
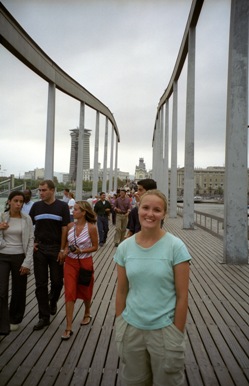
[217, 326]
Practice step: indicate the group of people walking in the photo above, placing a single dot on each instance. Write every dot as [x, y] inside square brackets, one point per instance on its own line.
[152, 273]
[44, 237]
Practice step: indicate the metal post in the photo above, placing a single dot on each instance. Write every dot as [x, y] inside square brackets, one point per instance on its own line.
[116, 167]
[96, 158]
[79, 175]
[105, 157]
[111, 162]
[166, 151]
[160, 158]
[173, 174]
[154, 157]
[156, 149]
[188, 212]
[49, 152]
[235, 248]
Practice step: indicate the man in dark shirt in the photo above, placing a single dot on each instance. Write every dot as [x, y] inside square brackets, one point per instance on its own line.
[50, 217]
[133, 225]
[102, 208]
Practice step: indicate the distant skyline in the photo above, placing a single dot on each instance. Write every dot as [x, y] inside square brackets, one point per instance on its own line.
[124, 53]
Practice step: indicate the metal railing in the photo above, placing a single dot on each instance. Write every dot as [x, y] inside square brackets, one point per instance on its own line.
[9, 187]
[211, 223]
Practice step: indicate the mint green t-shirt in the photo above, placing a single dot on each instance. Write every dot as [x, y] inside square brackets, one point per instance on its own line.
[150, 303]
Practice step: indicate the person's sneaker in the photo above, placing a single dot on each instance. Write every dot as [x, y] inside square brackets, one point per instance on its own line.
[14, 327]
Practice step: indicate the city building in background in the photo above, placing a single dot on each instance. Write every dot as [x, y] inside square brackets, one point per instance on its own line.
[207, 181]
[140, 171]
[38, 174]
[35, 174]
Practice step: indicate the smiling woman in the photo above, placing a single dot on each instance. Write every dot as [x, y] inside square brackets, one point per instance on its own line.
[152, 299]
[151, 212]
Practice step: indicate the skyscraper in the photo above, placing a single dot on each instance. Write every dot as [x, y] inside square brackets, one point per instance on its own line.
[74, 152]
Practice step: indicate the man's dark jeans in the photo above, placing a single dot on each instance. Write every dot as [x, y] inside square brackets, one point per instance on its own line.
[46, 259]
[103, 228]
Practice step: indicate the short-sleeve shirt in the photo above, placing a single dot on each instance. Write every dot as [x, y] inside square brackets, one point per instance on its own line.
[123, 204]
[49, 220]
[151, 299]
[27, 206]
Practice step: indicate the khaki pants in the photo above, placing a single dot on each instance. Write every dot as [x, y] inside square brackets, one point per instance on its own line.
[121, 224]
[151, 357]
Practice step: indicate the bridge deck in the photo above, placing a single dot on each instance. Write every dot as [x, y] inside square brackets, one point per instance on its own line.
[217, 327]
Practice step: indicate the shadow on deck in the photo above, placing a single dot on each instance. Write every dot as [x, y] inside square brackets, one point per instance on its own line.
[217, 326]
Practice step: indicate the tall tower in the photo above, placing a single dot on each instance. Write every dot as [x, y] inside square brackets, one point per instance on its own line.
[74, 152]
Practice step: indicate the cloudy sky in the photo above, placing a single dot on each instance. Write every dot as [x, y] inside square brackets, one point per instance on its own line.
[123, 52]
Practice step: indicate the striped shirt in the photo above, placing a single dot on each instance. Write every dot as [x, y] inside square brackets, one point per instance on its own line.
[83, 241]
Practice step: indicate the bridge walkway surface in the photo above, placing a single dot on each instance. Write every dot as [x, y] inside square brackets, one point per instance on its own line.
[217, 326]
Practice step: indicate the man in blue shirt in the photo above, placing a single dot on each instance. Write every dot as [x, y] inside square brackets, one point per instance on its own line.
[50, 217]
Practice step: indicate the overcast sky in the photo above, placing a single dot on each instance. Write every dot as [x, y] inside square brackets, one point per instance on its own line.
[123, 52]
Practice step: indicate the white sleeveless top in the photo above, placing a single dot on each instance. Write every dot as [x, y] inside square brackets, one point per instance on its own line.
[83, 241]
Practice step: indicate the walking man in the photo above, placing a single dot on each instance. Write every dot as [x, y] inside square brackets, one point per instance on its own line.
[27, 201]
[102, 208]
[66, 197]
[122, 209]
[50, 217]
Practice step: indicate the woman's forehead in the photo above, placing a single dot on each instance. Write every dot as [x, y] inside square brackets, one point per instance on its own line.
[18, 198]
[153, 199]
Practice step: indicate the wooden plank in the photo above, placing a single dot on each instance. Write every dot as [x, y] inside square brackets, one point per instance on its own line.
[206, 370]
[192, 372]
[236, 371]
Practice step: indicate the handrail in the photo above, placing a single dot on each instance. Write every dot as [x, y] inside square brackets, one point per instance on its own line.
[211, 223]
[7, 191]
[5, 181]
[15, 39]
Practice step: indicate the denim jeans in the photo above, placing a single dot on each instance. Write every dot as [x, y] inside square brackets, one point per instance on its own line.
[103, 228]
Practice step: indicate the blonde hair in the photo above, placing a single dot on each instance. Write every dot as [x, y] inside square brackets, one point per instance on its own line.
[158, 193]
[90, 214]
